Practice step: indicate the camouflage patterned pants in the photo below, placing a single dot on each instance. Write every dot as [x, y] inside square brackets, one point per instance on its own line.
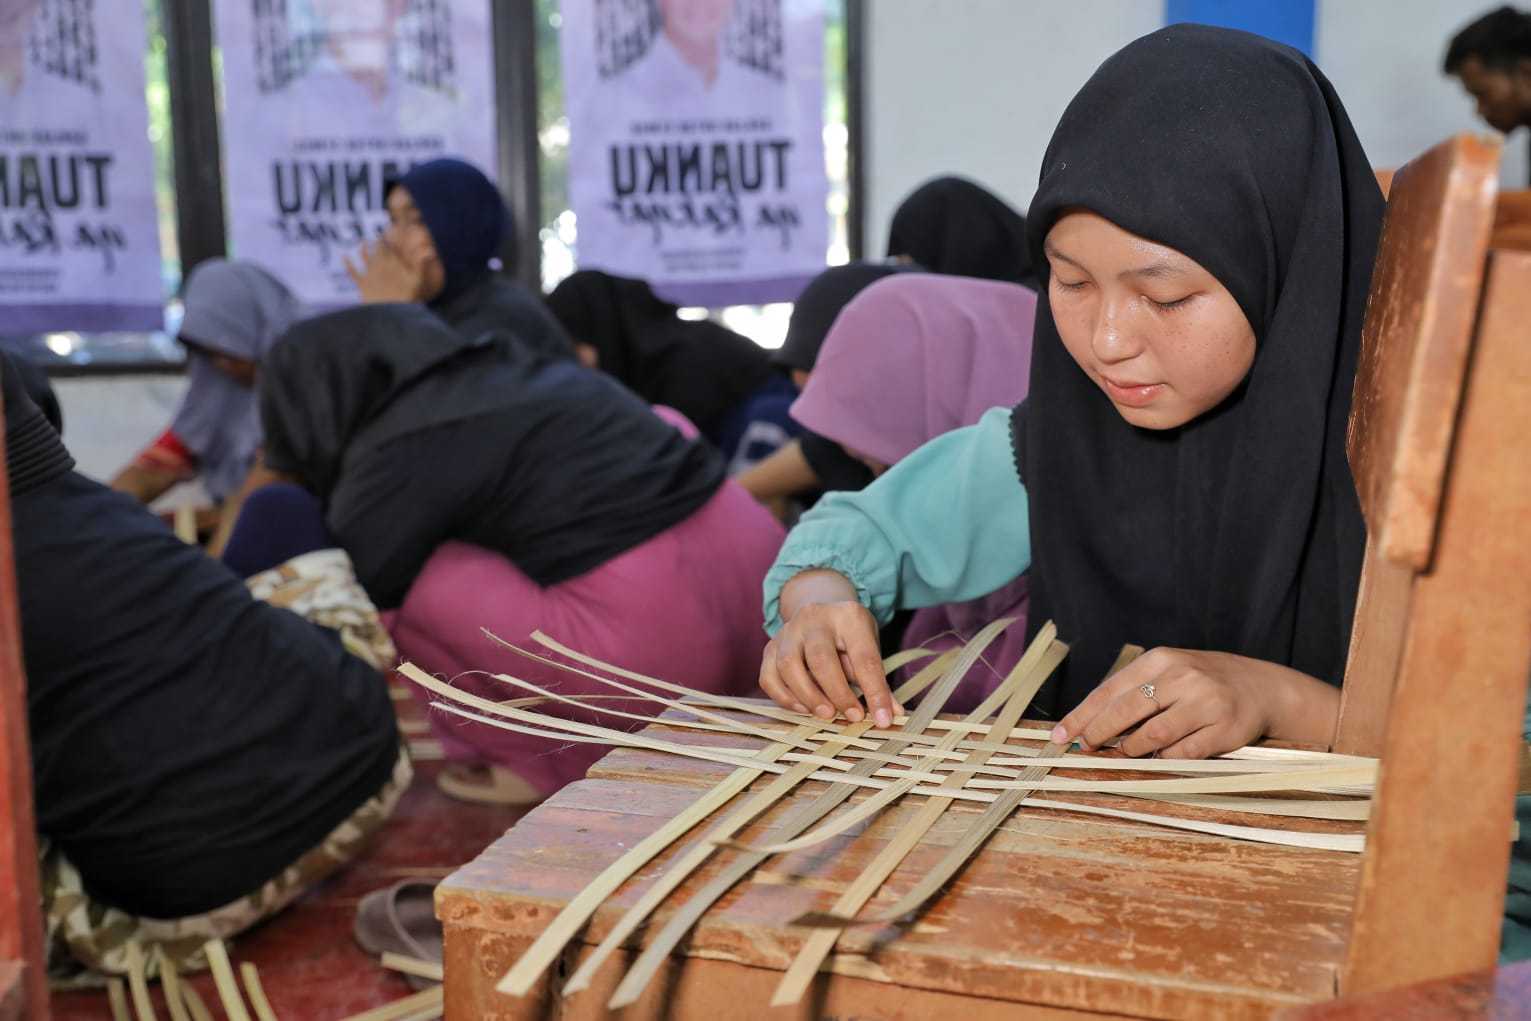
[82, 933]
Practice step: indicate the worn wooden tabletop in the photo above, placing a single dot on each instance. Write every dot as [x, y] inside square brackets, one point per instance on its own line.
[1056, 910]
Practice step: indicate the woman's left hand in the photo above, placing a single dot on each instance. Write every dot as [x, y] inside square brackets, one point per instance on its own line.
[1202, 704]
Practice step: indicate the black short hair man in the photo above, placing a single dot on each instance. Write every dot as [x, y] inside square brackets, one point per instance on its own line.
[1492, 57]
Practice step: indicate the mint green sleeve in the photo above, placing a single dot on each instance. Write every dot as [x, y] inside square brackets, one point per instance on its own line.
[946, 524]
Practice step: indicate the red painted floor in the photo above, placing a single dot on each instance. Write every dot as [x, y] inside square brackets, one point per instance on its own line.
[309, 965]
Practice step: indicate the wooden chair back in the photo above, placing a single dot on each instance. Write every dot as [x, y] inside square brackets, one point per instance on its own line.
[23, 964]
[1512, 221]
[1436, 679]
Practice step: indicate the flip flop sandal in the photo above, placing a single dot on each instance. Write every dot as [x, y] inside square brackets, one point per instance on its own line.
[486, 785]
[401, 919]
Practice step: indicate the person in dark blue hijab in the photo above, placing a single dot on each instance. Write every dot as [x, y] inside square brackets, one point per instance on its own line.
[446, 223]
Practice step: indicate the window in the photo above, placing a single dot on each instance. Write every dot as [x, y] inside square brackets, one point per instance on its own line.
[72, 353]
[558, 234]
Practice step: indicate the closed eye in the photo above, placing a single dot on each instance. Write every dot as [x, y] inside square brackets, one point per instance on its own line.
[1170, 306]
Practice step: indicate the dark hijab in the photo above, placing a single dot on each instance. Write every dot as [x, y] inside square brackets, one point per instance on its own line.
[335, 376]
[468, 223]
[815, 310]
[465, 215]
[951, 225]
[697, 367]
[1240, 531]
[412, 434]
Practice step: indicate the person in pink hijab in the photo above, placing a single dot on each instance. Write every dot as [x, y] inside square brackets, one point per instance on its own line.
[914, 356]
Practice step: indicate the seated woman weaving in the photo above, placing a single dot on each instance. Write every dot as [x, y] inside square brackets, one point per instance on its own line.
[1177, 476]
[476, 484]
[235, 311]
[200, 758]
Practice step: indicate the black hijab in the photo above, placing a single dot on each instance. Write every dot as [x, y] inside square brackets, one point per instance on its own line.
[951, 225]
[1240, 531]
[333, 376]
[817, 307]
[468, 223]
[465, 215]
[697, 367]
[412, 435]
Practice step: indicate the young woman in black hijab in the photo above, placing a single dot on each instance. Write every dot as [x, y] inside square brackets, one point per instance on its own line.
[952, 226]
[700, 368]
[476, 484]
[200, 757]
[446, 222]
[1177, 477]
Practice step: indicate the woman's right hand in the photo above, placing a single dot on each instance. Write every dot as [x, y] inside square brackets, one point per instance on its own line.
[828, 640]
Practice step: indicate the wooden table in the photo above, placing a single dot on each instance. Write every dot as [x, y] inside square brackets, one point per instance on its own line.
[12, 990]
[1057, 912]
[1500, 994]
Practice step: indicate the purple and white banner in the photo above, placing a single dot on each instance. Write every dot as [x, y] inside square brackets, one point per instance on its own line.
[325, 100]
[696, 150]
[79, 235]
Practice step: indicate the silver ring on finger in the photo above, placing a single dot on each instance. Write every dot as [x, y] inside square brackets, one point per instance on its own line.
[1149, 692]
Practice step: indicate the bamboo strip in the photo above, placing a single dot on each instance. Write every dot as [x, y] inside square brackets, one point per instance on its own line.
[1322, 778]
[1010, 767]
[412, 966]
[170, 982]
[684, 866]
[550, 943]
[1022, 685]
[972, 839]
[186, 524]
[117, 999]
[194, 1004]
[690, 697]
[642, 971]
[138, 984]
[1351, 843]
[256, 992]
[426, 751]
[851, 778]
[1020, 681]
[418, 1005]
[223, 978]
[1342, 811]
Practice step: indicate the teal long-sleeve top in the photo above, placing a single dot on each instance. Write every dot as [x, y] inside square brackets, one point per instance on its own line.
[948, 523]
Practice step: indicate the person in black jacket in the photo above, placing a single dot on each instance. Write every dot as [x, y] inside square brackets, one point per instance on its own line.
[200, 758]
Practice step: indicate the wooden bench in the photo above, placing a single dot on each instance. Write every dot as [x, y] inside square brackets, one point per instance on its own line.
[1076, 918]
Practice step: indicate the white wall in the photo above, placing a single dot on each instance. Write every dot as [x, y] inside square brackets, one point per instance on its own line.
[975, 87]
[109, 419]
[1387, 69]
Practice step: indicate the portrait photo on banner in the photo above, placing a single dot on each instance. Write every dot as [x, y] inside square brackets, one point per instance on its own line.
[334, 99]
[696, 152]
[79, 238]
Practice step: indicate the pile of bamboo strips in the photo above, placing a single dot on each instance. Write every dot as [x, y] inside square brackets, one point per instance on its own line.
[985, 757]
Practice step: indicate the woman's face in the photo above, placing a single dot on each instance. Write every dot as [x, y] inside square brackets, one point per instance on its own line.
[1161, 337]
[411, 238]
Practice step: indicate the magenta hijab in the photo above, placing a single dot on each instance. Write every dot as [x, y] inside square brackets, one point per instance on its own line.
[914, 356]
